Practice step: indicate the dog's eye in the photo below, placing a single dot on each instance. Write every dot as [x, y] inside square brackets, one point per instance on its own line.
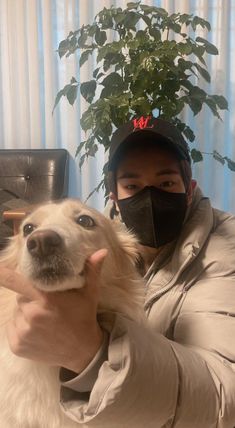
[28, 228]
[85, 221]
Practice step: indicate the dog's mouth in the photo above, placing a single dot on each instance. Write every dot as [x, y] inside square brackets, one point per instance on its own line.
[54, 272]
[50, 275]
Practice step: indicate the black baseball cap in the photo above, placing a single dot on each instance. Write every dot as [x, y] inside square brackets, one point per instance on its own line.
[147, 128]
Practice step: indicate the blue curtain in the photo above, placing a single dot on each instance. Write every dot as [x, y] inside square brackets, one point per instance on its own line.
[31, 74]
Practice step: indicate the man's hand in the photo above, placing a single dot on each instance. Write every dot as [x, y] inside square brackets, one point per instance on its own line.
[60, 328]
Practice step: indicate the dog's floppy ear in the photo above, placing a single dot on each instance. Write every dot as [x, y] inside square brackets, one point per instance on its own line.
[10, 254]
[128, 241]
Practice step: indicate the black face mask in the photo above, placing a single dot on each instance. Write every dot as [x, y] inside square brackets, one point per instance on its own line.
[156, 216]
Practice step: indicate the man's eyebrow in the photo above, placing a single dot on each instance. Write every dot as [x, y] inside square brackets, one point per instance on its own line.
[128, 175]
[166, 171]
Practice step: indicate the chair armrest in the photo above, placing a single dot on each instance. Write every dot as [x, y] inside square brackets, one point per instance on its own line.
[17, 215]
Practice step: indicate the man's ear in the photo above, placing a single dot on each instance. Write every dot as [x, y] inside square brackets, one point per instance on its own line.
[114, 208]
[112, 196]
[191, 188]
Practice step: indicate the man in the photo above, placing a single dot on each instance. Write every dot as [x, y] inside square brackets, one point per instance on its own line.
[179, 369]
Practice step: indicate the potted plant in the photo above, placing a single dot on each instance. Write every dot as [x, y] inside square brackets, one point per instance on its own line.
[146, 63]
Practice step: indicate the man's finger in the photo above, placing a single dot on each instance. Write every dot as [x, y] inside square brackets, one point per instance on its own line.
[93, 268]
[95, 261]
[18, 283]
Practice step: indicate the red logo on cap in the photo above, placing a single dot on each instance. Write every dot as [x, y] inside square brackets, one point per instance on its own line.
[142, 122]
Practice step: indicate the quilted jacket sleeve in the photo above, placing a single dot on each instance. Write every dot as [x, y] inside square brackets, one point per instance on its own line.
[205, 331]
[149, 381]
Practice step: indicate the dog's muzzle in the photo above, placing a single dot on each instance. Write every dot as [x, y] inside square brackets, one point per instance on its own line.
[49, 263]
[43, 243]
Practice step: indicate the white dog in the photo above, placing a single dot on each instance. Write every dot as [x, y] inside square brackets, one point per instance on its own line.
[51, 249]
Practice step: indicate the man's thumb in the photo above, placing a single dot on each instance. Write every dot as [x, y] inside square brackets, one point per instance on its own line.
[95, 261]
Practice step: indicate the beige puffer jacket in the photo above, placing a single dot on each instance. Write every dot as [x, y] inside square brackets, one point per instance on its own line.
[180, 372]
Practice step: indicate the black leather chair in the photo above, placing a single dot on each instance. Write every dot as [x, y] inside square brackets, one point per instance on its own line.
[35, 175]
[30, 177]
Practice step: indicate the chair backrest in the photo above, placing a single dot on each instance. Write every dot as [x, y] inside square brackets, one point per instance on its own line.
[35, 175]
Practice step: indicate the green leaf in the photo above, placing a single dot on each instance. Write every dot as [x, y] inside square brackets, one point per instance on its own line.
[58, 97]
[63, 47]
[72, 94]
[157, 11]
[113, 84]
[87, 121]
[186, 48]
[185, 65]
[221, 101]
[80, 147]
[230, 163]
[155, 33]
[99, 76]
[92, 149]
[141, 105]
[198, 93]
[185, 18]
[84, 56]
[113, 79]
[96, 71]
[130, 20]
[87, 90]
[133, 5]
[199, 52]
[100, 37]
[203, 72]
[184, 129]
[175, 27]
[113, 58]
[218, 157]
[196, 155]
[209, 47]
[102, 52]
[82, 40]
[82, 160]
[195, 104]
[141, 36]
[213, 106]
[187, 84]
[96, 189]
[200, 21]
[105, 19]
[91, 29]
[147, 9]
[119, 17]
[73, 44]
[147, 20]
[189, 134]
[68, 89]
[119, 101]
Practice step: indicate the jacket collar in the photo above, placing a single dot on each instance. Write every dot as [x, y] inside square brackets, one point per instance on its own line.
[197, 227]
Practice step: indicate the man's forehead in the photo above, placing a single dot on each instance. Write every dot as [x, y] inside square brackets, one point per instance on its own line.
[154, 162]
[122, 174]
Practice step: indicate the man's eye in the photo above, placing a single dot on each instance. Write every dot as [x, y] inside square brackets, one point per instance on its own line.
[167, 184]
[28, 228]
[131, 186]
[85, 221]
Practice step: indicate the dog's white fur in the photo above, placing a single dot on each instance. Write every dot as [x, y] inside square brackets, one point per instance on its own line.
[29, 391]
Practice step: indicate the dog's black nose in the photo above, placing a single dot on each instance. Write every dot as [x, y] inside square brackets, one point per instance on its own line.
[43, 243]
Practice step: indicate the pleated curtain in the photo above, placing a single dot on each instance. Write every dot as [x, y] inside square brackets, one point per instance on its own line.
[31, 74]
